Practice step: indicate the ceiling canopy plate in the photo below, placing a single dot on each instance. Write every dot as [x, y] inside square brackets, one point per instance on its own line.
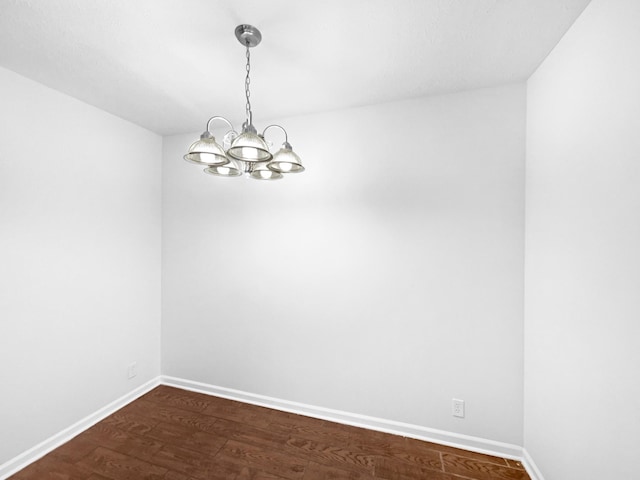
[248, 35]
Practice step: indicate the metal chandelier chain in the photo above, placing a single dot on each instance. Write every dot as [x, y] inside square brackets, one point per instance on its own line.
[247, 92]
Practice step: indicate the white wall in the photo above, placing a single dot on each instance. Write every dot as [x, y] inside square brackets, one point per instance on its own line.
[79, 260]
[384, 281]
[582, 327]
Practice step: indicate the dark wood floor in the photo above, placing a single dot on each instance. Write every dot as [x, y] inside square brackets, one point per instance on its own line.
[173, 434]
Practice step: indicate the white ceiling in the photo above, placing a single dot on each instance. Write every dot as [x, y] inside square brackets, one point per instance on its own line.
[168, 65]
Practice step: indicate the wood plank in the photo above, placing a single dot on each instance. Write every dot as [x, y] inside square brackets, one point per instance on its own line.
[264, 459]
[157, 413]
[301, 427]
[240, 413]
[251, 434]
[394, 469]
[482, 457]
[192, 439]
[118, 466]
[183, 460]
[318, 471]
[131, 422]
[113, 438]
[346, 458]
[75, 449]
[475, 469]
[514, 464]
[237, 469]
[174, 397]
[51, 468]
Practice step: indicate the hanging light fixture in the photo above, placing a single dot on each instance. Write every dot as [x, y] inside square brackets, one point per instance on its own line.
[246, 153]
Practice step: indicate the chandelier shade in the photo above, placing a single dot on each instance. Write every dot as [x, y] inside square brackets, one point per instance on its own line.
[286, 161]
[230, 169]
[247, 153]
[250, 147]
[206, 151]
[261, 171]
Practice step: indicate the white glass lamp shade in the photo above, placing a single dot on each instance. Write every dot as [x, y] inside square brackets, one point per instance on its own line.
[286, 161]
[249, 147]
[262, 172]
[206, 151]
[230, 169]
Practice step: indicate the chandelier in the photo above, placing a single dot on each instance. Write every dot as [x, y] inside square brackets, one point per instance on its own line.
[248, 152]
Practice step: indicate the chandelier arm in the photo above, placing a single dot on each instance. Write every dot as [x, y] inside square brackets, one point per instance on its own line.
[286, 137]
[219, 118]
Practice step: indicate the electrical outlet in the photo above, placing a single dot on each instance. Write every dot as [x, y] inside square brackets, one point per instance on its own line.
[132, 370]
[457, 408]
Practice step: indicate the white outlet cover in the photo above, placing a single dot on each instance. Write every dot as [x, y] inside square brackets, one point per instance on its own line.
[457, 408]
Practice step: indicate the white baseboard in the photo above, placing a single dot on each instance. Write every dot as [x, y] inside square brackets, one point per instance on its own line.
[466, 442]
[21, 461]
[530, 466]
